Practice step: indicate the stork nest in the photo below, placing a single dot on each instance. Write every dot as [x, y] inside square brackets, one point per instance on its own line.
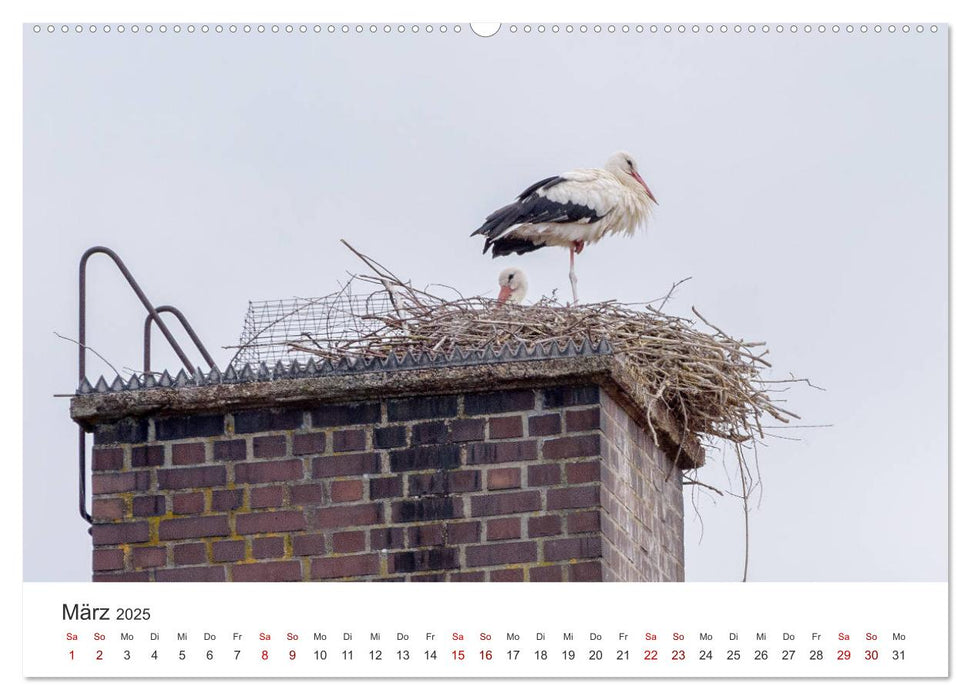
[711, 382]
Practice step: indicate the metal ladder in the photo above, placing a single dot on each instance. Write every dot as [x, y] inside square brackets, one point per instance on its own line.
[154, 317]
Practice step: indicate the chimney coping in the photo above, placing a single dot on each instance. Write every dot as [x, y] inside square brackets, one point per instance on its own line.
[596, 365]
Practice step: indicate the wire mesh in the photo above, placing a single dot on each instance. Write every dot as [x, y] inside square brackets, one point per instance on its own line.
[331, 323]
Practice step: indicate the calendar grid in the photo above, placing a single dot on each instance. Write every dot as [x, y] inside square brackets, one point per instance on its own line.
[583, 630]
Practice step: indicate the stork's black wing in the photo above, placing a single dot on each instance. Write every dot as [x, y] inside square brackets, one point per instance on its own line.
[531, 207]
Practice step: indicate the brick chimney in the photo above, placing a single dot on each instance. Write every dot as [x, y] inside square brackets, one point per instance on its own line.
[492, 468]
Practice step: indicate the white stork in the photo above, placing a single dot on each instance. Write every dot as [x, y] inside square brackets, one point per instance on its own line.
[512, 285]
[570, 210]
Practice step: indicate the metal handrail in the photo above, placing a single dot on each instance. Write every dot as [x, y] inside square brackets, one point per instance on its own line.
[153, 314]
[185, 325]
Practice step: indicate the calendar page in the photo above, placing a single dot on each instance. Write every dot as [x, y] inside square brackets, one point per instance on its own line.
[434, 349]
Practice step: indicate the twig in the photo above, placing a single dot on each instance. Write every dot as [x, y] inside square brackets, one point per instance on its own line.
[671, 291]
[693, 482]
[88, 347]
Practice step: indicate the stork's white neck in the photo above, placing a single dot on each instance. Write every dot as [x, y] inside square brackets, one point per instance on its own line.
[636, 209]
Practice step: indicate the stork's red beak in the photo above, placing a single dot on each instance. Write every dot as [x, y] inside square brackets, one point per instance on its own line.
[505, 291]
[644, 185]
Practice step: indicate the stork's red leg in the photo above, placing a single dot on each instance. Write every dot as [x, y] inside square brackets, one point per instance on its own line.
[578, 246]
[573, 275]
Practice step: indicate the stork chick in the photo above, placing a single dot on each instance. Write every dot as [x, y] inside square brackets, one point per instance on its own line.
[570, 210]
[512, 285]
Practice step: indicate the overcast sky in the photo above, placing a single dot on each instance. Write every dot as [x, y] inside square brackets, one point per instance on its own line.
[803, 188]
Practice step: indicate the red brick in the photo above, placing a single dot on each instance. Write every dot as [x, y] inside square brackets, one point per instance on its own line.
[108, 508]
[580, 472]
[147, 456]
[112, 483]
[228, 550]
[505, 553]
[503, 529]
[463, 533]
[464, 480]
[503, 478]
[507, 575]
[341, 567]
[498, 452]
[347, 465]
[385, 487]
[426, 535]
[148, 557]
[192, 477]
[190, 528]
[467, 576]
[309, 443]
[188, 503]
[262, 472]
[303, 494]
[119, 533]
[573, 497]
[227, 500]
[229, 450]
[346, 516]
[544, 525]
[194, 574]
[583, 419]
[189, 453]
[266, 497]
[107, 458]
[348, 440]
[189, 553]
[268, 571]
[504, 401]
[427, 508]
[122, 576]
[572, 548]
[586, 571]
[388, 538]
[546, 424]
[344, 491]
[268, 547]
[466, 429]
[505, 427]
[265, 446]
[272, 521]
[572, 446]
[147, 506]
[546, 573]
[544, 474]
[503, 503]
[352, 541]
[107, 559]
[304, 545]
[583, 521]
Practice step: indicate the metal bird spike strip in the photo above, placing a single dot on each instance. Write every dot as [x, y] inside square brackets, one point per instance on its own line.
[394, 362]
